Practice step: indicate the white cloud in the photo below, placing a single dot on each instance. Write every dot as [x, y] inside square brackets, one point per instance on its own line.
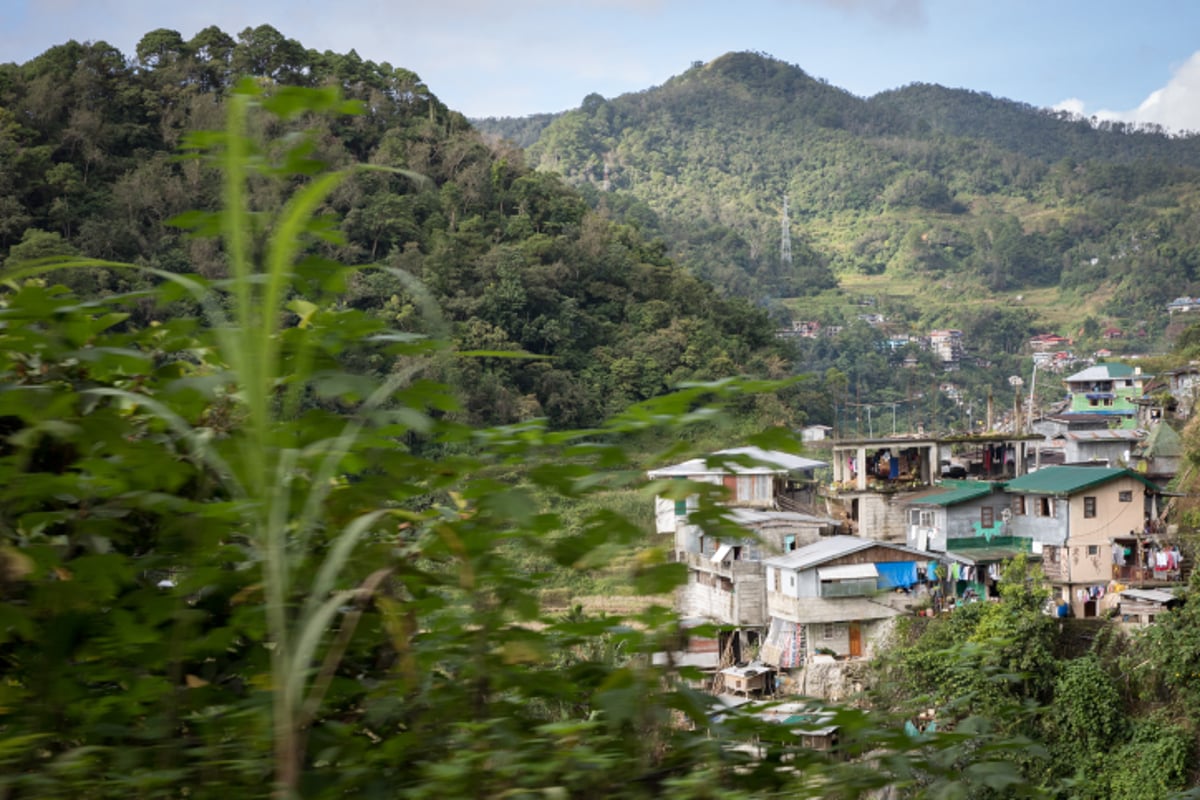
[1175, 106]
[1072, 105]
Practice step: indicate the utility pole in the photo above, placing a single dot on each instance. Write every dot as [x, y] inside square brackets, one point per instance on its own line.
[785, 241]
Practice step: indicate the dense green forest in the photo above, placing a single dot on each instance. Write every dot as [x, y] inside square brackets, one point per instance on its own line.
[920, 183]
[930, 207]
[514, 259]
[307, 393]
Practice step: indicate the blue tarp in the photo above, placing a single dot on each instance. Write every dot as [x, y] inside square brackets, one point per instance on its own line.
[894, 574]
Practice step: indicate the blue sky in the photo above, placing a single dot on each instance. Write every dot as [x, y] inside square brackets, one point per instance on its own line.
[1110, 58]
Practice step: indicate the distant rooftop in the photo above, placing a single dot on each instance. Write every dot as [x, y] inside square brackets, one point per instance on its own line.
[768, 462]
[1064, 481]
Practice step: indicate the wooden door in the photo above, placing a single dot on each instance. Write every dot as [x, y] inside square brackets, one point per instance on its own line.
[855, 640]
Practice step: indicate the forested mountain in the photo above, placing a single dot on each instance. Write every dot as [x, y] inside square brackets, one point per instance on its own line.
[514, 259]
[921, 182]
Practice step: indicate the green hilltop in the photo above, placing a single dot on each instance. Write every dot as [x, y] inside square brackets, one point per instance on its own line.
[941, 198]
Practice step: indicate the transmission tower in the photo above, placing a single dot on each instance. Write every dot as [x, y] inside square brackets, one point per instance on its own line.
[785, 239]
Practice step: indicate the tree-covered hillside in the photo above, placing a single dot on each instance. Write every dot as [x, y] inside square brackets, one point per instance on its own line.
[918, 183]
[514, 260]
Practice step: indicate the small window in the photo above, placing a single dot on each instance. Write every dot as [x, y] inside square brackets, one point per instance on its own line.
[1018, 505]
[791, 580]
[1125, 497]
[789, 543]
[827, 633]
[1089, 508]
[987, 516]
[737, 554]
[778, 579]
[1045, 506]
[1093, 549]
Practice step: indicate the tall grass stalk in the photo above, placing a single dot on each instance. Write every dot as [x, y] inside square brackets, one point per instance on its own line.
[264, 471]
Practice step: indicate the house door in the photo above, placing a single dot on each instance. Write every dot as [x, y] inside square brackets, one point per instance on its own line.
[855, 640]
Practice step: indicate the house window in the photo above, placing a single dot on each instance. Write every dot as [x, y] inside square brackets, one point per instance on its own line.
[926, 519]
[827, 630]
[1093, 549]
[1045, 506]
[1050, 554]
[1089, 508]
[1018, 505]
[778, 579]
[851, 587]
[737, 554]
[791, 580]
[754, 488]
[987, 516]
[1125, 497]
[789, 543]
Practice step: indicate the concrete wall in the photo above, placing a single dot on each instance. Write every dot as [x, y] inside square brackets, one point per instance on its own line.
[883, 517]
[730, 596]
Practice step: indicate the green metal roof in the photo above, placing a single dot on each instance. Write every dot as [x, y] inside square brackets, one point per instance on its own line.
[953, 492]
[1163, 442]
[989, 555]
[1064, 481]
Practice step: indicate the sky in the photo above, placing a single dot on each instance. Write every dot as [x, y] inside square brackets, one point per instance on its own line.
[1112, 59]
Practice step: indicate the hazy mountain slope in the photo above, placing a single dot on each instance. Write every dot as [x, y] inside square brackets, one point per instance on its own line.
[919, 182]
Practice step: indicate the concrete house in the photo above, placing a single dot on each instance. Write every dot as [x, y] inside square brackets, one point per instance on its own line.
[768, 480]
[723, 544]
[835, 596]
[1090, 525]
[1183, 384]
[1108, 389]
[873, 479]
[1139, 607]
[1160, 455]
[966, 524]
[1110, 447]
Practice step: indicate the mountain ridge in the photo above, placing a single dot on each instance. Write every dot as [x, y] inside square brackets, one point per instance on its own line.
[916, 181]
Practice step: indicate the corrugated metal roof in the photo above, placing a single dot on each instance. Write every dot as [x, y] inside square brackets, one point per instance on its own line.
[820, 551]
[953, 492]
[1153, 595]
[1163, 442]
[1104, 372]
[1065, 480]
[773, 462]
[989, 555]
[751, 516]
[829, 548]
[1107, 435]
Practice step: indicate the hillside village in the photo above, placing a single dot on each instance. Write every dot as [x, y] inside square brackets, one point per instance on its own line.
[804, 563]
[1049, 351]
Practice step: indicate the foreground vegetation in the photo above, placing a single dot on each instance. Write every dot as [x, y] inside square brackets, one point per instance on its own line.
[239, 559]
[254, 543]
[1104, 713]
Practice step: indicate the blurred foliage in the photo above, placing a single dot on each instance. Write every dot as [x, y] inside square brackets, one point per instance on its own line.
[513, 260]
